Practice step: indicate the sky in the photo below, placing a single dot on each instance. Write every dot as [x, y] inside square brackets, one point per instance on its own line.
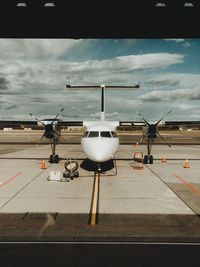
[34, 74]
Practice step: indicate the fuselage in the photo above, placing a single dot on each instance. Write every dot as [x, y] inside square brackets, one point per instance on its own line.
[100, 141]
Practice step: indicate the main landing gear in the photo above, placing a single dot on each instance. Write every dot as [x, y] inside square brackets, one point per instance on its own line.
[54, 158]
[148, 159]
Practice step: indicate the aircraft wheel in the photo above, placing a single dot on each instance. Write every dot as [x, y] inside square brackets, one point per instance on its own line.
[145, 160]
[150, 159]
[51, 159]
[56, 159]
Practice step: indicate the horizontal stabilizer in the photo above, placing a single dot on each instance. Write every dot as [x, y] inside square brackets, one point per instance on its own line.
[93, 87]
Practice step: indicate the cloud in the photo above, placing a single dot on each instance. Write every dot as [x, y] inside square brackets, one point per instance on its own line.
[38, 77]
[186, 44]
[3, 84]
[164, 82]
[35, 73]
[177, 95]
[11, 107]
[128, 63]
[35, 48]
[173, 80]
[176, 40]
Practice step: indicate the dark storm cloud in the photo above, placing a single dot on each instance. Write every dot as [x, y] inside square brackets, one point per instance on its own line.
[3, 83]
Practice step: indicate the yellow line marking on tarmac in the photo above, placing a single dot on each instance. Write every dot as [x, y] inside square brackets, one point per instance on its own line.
[95, 198]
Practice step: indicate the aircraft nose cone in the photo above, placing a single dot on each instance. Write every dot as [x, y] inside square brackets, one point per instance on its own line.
[101, 156]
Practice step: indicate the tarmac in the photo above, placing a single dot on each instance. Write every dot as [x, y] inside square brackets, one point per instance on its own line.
[160, 202]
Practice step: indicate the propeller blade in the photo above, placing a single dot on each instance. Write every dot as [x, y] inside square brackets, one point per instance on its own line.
[56, 133]
[40, 140]
[165, 141]
[57, 115]
[163, 117]
[36, 119]
[146, 122]
[59, 134]
[141, 139]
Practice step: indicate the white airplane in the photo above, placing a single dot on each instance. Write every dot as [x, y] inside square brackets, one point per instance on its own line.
[100, 141]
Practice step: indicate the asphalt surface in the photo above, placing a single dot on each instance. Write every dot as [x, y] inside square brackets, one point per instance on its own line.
[100, 254]
[144, 218]
[74, 137]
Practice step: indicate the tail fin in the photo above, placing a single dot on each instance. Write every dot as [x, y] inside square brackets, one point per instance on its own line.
[102, 102]
[91, 87]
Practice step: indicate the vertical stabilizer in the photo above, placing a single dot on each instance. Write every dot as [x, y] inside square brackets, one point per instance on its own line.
[102, 102]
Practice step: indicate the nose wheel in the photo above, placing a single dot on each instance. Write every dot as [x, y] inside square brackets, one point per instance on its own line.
[54, 158]
[148, 159]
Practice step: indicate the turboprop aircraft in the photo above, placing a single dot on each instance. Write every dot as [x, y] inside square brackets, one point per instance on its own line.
[99, 141]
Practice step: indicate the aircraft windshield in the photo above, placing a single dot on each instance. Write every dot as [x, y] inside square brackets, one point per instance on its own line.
[105, 134]
[93, 134]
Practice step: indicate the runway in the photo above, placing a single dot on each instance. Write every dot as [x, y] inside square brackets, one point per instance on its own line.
[159, 203]
[74, 137]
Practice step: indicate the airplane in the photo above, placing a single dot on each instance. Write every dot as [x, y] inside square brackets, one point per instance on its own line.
[100, 141]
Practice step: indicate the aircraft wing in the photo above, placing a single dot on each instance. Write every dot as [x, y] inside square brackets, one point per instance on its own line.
[131, 123]
[70, 123]
[162, 124]
[182, 123]
[34, 123]
[14, 123]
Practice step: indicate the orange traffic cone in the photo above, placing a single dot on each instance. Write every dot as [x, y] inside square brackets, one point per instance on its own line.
[43, 165]
[164, 160]
[186, 164]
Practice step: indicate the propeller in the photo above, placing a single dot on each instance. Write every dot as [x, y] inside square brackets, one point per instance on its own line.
[48, 127]
[164, 139]
[152, 131]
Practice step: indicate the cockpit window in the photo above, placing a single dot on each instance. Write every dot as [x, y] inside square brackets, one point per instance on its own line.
[93, 134]
[105, 134]
[114, 134]
[85, 134]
